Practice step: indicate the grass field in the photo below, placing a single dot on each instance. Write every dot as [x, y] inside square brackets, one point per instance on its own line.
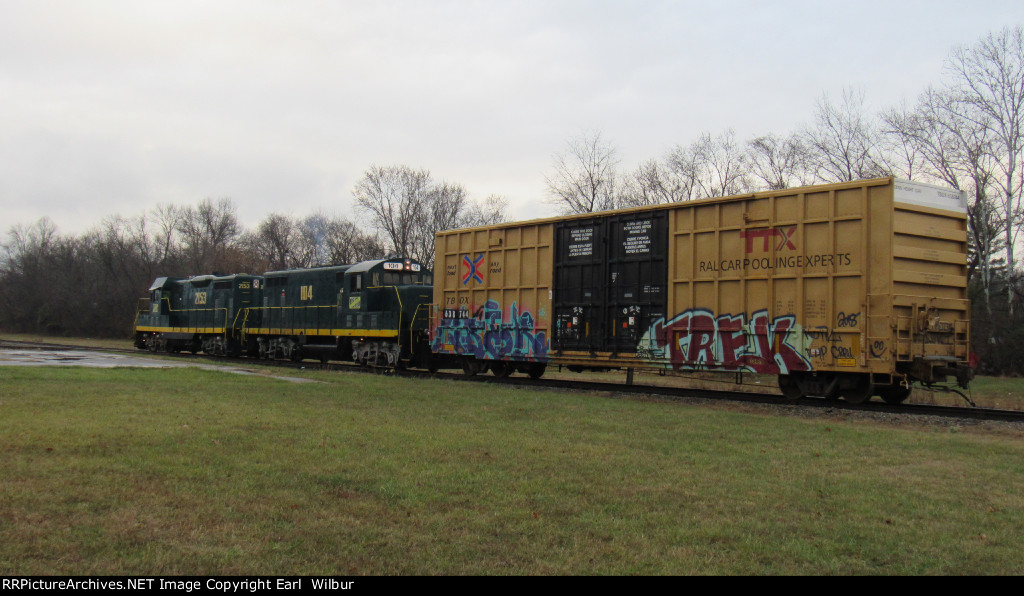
[185, 471]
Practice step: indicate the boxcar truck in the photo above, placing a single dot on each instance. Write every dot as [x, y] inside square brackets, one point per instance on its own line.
[841, 290]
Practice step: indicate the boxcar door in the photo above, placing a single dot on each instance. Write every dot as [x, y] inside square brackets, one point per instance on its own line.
[579, 285]
[637, 277]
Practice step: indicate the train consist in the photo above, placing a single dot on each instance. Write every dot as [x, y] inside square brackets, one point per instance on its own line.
[843, 290]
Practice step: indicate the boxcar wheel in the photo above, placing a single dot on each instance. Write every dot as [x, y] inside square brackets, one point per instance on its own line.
[790, 388]
[471, 367]
[501, 369]
[859, 392]
[536, 371]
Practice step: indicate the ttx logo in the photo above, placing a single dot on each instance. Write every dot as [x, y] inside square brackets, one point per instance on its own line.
[786, 235]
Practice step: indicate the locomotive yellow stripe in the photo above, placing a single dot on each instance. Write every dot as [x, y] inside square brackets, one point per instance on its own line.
[181, 329]
[326, 332]
[316, 332]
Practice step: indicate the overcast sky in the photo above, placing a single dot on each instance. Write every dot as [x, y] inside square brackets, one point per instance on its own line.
[111, 107]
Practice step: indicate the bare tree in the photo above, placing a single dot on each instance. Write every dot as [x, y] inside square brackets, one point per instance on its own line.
[395, 198]
[345, 243]
[274, 242]
[444, 209]
[166, 218]
[722, 165]
[408, 208]
[43, 281]
[778, 162]
[711, 166]
[685, 167]
[584, 176]
[652, 183]
[901, 153]
[492, 210]
[988, 83]
[843, 140]
[207, 232]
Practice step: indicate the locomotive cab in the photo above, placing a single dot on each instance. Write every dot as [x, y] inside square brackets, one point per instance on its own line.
[384, 298]
[155, 312]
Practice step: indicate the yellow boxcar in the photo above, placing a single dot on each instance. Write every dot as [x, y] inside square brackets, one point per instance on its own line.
[851, 289]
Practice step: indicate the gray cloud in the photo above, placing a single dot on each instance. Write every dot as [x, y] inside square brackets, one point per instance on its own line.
[115, 106]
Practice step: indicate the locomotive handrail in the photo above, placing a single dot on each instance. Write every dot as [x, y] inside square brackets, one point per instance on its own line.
[412, 324]
[234, 324]
[290, 309]
[401, 309]
[171, 309]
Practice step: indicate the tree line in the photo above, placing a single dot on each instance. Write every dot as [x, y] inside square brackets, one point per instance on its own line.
[965, 131]
[89, 284]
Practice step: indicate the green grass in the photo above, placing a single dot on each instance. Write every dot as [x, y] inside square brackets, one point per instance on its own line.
[187, 471]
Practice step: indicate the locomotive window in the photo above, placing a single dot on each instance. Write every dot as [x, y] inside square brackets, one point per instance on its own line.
[376, 279]
[222, 285]
[428, 279]
[389, 279]
[356, 283]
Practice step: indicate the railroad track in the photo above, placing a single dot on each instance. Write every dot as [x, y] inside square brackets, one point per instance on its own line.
[632, 390]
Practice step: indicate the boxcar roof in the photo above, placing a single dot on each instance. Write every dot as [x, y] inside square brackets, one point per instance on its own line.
[904, 191]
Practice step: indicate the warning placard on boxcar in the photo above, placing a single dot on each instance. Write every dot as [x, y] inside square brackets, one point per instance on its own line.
[637, 237]
[581, 242]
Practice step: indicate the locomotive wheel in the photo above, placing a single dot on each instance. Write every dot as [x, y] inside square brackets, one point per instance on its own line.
[790, 388]
[381, 366]
[501, 369]
[894, 394]
[860, 392]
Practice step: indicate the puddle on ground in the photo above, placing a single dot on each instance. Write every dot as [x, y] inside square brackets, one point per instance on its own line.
[15, 357]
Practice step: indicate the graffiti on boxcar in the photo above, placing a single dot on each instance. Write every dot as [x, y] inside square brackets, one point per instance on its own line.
[847, 320]
[842, 352]
[817, 353]
[697, 339]
[822, 333]
[489, 335]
